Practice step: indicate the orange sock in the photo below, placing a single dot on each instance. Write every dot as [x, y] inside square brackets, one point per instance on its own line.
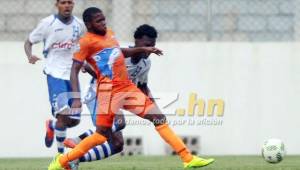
[175, 142]
[83, 147]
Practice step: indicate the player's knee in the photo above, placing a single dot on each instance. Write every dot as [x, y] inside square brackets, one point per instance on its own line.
[60, 123]
[104, 131]
[72, 123]
[160, 119]
[117, 142]
[156, 119]
[118, 145]
[64, 121]
[121, 125]
[119, 122]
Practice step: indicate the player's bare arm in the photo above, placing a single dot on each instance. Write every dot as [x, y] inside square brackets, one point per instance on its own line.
[137, 51]
[76, 66]
[87, 68]
[32, 59]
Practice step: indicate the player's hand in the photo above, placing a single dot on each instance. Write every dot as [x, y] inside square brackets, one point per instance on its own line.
[149, 50]
[76, 106]
[33, 59]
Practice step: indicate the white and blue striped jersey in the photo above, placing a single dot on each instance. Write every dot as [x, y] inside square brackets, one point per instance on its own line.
[60, 42]
[138, 73]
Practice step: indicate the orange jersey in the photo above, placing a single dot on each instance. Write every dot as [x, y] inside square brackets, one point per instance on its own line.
[103, 53]
[115, 90]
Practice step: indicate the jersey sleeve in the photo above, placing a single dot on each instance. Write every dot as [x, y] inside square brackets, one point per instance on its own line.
[82, 28]
[39, 33]
[83, 51]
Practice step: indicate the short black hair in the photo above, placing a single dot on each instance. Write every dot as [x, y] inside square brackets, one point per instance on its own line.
[145, 29]
[57, 1]
[89, 12]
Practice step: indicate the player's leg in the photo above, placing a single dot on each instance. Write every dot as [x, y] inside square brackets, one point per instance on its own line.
[159, 120]
[104, 123]
[51, 124]
[107, 149]
[63, 122]
[113, 146]
[118, 125]
[99, 137]
[60, 98]
[151, 112]
[72, 142]
[62, 161]
[91, 103]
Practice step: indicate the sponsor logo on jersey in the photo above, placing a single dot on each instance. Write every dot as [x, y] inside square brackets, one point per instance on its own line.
[63, 45]
[58, 29]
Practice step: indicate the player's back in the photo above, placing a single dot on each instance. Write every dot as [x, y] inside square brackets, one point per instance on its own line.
[105, 56]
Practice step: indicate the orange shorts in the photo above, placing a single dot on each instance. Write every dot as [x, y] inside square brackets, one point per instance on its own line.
[110, 99]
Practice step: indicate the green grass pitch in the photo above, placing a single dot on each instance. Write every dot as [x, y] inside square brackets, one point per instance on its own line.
[159, 163]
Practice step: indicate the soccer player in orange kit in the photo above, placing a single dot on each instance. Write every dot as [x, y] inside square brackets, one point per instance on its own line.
[101, 50]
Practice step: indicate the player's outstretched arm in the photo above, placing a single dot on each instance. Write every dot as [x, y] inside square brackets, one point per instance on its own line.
[76, 66]
[32, 59]
[137, 51]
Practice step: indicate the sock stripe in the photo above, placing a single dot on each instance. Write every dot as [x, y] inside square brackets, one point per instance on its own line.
[60, 145]
[97, 153]
[60, 139]
[100, 149]
[93, 154]
[82, 159]
[59, 129]
[104, 150]
[114, 128]
[109, 148]
[86, 134]
[60, 150]
[61, 134]
[90, 132]
[89, 157]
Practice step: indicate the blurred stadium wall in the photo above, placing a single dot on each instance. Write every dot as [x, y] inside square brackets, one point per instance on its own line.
[177, 20]
[245, 52]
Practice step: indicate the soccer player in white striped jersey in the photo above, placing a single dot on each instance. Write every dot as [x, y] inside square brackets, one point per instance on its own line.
[138, 67]
[60, 34]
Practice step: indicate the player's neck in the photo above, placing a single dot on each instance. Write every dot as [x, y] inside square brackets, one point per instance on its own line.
[135, 60]
[63, 19]
[97, 33]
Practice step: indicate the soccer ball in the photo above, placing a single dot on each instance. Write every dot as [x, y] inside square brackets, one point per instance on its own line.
[273, 150]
